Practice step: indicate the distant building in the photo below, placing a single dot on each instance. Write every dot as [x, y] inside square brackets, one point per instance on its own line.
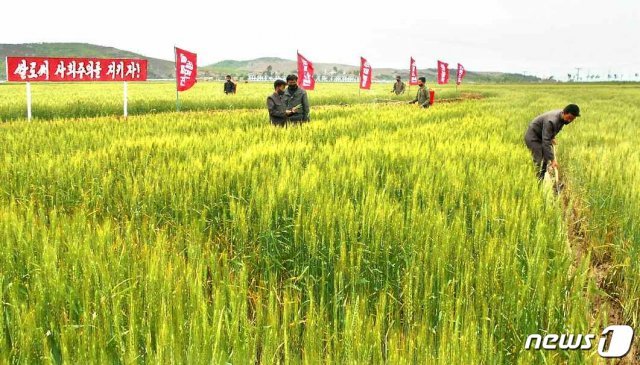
[261, 78]
[344, 78]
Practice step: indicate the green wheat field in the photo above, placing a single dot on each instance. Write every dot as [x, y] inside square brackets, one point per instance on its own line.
[378, 233]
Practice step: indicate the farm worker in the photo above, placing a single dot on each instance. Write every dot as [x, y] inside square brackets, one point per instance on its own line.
[278, 112]
[422, 97]
[398, 87]
[541, 135]
[229, 86]
[296, 100]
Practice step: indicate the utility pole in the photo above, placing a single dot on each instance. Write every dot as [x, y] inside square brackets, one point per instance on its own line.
[578, 73]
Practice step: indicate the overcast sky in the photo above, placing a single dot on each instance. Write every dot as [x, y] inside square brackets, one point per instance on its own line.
[542, 37]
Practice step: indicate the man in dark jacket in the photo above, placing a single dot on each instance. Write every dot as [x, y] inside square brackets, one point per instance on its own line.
[294, 96]
[278, 112]
[422, 97]
[540, 136]
[398, 87]
[229, 86]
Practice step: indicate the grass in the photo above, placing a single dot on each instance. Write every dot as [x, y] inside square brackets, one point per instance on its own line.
[58, 100]
[377, 233]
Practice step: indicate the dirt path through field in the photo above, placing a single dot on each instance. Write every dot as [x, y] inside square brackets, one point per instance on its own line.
[607, 301]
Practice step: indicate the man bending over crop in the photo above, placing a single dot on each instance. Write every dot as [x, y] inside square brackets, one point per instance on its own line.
[541, 135]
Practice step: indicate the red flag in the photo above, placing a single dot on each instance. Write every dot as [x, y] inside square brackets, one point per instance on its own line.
[461, 73]
[365, 74]
[305, 73]
[413, 72]
[186, 69]
[443, 73]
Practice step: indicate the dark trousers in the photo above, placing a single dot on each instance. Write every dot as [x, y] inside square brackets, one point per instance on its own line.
[536, 153]
[287, 122]
[297, 119]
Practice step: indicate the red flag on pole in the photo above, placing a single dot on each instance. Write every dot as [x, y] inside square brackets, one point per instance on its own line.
[305, 73]
[413, 72]
[365, 74]
[461, 73]
[443, 73]
[186, 69]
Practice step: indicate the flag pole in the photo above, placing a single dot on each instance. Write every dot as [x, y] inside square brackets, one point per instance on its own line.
[28, 99]
[410, 72]
[175, 58]
[125, 100]
[297, 60]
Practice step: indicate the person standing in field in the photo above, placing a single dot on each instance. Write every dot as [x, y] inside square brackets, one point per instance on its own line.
[541, 134]
[229, 86]
[296, 100]
[398, 86]
[422, 97]
[278, 112]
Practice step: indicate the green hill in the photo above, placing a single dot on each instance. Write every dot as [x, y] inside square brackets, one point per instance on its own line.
[163, 69]
[157, 68]
[278, 65]
[284, 66]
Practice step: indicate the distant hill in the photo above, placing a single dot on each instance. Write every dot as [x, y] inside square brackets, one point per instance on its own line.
[157, 68]
[282, 66]
[278, 65]
[163, 69]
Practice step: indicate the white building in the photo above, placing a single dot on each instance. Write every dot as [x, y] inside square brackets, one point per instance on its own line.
[344, 78]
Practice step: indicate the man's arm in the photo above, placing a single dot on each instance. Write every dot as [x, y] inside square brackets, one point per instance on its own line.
[547, 138]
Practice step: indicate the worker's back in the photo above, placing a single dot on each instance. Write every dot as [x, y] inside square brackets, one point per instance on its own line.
[534, 132]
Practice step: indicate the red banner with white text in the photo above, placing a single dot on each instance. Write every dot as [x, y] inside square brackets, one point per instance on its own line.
[305, 73]
[461, 73]
[413, 72]
[443, 73]
[366, 74]
[186, 69]
[56, 69]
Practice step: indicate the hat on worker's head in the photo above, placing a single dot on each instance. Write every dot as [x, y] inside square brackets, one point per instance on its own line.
[572, 109]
